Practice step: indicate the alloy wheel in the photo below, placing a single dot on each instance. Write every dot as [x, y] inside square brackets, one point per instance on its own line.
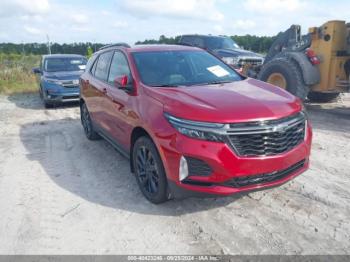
[147, 170]
[85, 119]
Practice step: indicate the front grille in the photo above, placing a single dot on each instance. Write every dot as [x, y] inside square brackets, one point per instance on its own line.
[267, 138]
[251, 61]
[70, 83]
[264, 178]
[70, 97]
[197, 167]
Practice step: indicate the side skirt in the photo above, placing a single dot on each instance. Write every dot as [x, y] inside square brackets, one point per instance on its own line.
[112, 141]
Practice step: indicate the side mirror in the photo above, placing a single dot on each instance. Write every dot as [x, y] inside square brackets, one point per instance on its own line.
[36, 70]
[122, 82]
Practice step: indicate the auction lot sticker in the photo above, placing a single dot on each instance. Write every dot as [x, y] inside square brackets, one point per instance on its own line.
[218, 71]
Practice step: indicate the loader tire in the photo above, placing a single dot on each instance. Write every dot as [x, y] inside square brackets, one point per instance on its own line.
[285, 73]
[322, 97]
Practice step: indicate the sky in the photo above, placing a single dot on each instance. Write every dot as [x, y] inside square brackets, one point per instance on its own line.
[109, 21]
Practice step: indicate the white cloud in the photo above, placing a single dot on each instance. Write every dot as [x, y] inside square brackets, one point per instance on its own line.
[273, 6]
[10, 8]
[77, 21]
[32, 30]
[4, 36]
[79, 18]
[200, 9]
[119, 24]
[243, 24]
[219, 29]
[106, 12]
[81, 28]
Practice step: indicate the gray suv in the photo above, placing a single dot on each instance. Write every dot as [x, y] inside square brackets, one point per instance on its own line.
[224, 48]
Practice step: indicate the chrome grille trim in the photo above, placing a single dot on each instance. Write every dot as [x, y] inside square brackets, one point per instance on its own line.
[270, 126]
[268, 138]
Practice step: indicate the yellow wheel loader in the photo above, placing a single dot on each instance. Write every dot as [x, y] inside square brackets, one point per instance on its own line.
[314, 66]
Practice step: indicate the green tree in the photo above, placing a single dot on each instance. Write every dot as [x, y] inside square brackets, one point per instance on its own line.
[89, 52]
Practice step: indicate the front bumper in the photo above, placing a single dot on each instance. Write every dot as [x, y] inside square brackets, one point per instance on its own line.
[226, 165]
[55, 93]
[62, 97]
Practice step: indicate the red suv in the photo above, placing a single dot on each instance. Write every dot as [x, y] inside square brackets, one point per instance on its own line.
[191, 124]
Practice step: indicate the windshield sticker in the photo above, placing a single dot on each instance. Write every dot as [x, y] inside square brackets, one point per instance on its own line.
[218, 71]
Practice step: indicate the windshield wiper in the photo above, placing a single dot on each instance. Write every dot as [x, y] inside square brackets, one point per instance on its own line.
[165, 85]
[217, 82]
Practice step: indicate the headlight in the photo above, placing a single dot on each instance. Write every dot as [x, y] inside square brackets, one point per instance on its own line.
[230, 60]
[53, 81]
[197, 130]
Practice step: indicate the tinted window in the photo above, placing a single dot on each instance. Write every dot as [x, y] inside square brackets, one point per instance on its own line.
[93, 68]
[213, 43]
[90, 63]
[56, 64]
[198, 42]
[119, 67]
[176, 68]
[188, 40]
[102, 66]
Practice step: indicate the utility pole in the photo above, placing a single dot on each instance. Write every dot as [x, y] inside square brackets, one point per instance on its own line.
[48, 44]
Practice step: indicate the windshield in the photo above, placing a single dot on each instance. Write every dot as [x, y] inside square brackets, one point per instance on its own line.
[176, 68]
[55, 64]
[214, 43]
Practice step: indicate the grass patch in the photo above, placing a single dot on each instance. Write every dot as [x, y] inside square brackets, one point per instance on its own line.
[16, 73]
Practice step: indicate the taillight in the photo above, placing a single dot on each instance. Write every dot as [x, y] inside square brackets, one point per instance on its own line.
[312, 57]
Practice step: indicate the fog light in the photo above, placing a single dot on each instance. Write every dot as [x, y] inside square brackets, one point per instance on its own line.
[183, 170]
[48, 96]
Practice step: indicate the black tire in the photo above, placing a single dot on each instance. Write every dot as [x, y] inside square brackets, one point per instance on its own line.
[290, 71]
[41, 93]
[87, 123]
[322, 97]
[149, 171]
[48, 105]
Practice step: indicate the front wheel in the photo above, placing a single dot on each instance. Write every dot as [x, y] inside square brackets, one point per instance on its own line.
[149, 171]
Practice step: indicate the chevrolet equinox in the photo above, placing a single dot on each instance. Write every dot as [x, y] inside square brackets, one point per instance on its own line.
[190, 124]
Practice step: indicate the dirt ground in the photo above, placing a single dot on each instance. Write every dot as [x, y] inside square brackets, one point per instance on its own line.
[63, 194]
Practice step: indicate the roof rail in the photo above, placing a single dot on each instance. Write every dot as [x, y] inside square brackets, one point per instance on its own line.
[114, 45]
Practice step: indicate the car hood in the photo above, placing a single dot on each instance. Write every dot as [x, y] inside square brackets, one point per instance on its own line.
[241, 101]
[63, 75]
[236, 52]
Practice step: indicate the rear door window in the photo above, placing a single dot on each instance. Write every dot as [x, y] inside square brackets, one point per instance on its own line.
[102, 66]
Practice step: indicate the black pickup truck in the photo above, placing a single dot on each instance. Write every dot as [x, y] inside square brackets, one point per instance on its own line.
[225, 48]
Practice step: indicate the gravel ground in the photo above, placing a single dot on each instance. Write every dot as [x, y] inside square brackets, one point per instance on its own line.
[63, 194]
